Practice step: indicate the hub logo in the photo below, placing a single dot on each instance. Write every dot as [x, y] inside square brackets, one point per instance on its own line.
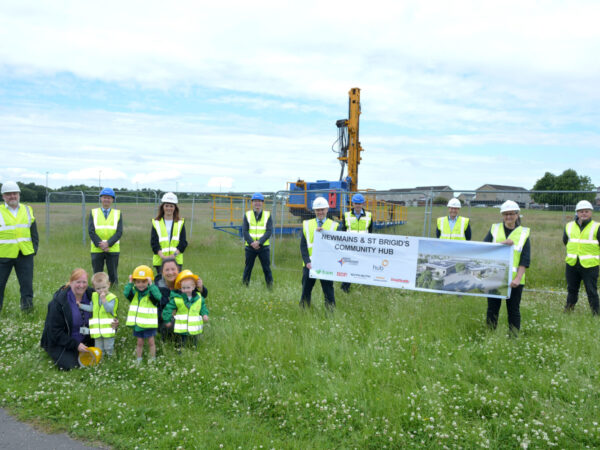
[377, 268]
[385, 262]
[352, 262]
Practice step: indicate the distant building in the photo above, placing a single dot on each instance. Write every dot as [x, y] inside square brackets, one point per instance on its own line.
[494, 194]
[416, 196]
[441, 268]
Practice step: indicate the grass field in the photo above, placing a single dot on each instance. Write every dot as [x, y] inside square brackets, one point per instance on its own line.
[389, 369]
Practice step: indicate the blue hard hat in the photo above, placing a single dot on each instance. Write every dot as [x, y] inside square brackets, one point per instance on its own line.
[107, 191]
[258, 196]
[358, 198]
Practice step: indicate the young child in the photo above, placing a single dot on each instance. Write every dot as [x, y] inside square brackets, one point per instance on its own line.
[104, 312]
[188, 308]
[143, 311]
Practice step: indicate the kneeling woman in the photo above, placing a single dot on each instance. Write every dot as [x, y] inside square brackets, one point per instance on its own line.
[510, 232]
[66, 330]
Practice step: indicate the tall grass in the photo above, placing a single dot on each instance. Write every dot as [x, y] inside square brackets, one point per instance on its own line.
[388, 369]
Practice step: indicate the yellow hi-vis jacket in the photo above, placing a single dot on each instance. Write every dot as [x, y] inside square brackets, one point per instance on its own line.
[188, 320]
[457, 232]
[167, 246]
[583, 244]
[15, 232]
[101, 321]
[519, 235]
[142, 312]
[105, 228]
[357, 226]
[309, 227]
[257, 228]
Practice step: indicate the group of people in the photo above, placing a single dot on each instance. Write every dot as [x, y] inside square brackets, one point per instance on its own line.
[580, 237]
[175, 301]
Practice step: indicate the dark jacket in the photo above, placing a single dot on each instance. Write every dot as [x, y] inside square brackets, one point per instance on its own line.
[56, 337]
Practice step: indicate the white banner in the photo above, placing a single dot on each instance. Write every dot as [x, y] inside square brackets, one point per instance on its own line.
[409, 262]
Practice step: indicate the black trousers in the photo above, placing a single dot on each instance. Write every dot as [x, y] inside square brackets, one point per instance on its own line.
[307, 286]
[264, 255]
[23, 265]
[112, 265]
[574, 275]
[513, 305]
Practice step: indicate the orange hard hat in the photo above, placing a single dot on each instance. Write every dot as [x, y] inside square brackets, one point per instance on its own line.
[182, 276]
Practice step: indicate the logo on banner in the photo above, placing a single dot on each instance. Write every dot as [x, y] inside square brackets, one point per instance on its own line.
[360, 275]
[380, 279]
[399, 280]
[324, 272]
[346, 260]
[380, 267]
[342, 274]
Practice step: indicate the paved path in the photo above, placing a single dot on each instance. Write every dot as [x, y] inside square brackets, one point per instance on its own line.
[18, 435]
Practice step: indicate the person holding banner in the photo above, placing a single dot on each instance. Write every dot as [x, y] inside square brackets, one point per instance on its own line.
[357, 220]
[583, 256]
[510, 232]
[453, 226]
[309, 227]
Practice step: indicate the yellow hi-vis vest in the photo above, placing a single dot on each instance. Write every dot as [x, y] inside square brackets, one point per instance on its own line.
[142, 312]
[257, 229]
[105, 228]
[457, 232]
[309, 227]
[100, 322]
[188, 321]
[15, 232]
[357, 226]
[583, 244]
[519, 235]
[167, 246]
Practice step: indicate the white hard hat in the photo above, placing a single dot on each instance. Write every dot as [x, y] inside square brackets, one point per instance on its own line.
[320, 203]
[583, 204]
[10, 186]
[454, 203]
[509, 205]
[169, 197]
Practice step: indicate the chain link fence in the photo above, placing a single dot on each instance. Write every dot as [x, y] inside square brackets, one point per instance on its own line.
[410, 212]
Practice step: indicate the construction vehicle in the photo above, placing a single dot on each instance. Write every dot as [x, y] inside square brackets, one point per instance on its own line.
[303, 193]
[227, 210]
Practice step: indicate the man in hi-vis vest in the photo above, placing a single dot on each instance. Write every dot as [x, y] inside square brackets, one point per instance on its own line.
[453, 226]
[357, 220]
[105, 227]
[257, 230]
[309, 227]
[583, 256]
[18, 243]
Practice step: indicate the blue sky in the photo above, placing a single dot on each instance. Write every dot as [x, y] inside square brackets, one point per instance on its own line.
[243, 96]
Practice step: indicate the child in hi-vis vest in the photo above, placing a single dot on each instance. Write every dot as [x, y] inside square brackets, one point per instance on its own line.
[143, 311]
[187, 307]
[104, 312]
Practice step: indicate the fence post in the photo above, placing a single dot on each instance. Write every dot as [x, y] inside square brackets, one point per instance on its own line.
[83, 215]
[47, 216]
[192, 222]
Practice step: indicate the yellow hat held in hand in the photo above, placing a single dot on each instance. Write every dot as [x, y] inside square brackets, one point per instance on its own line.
[182, 276]
[91, 357]
[142, 272]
